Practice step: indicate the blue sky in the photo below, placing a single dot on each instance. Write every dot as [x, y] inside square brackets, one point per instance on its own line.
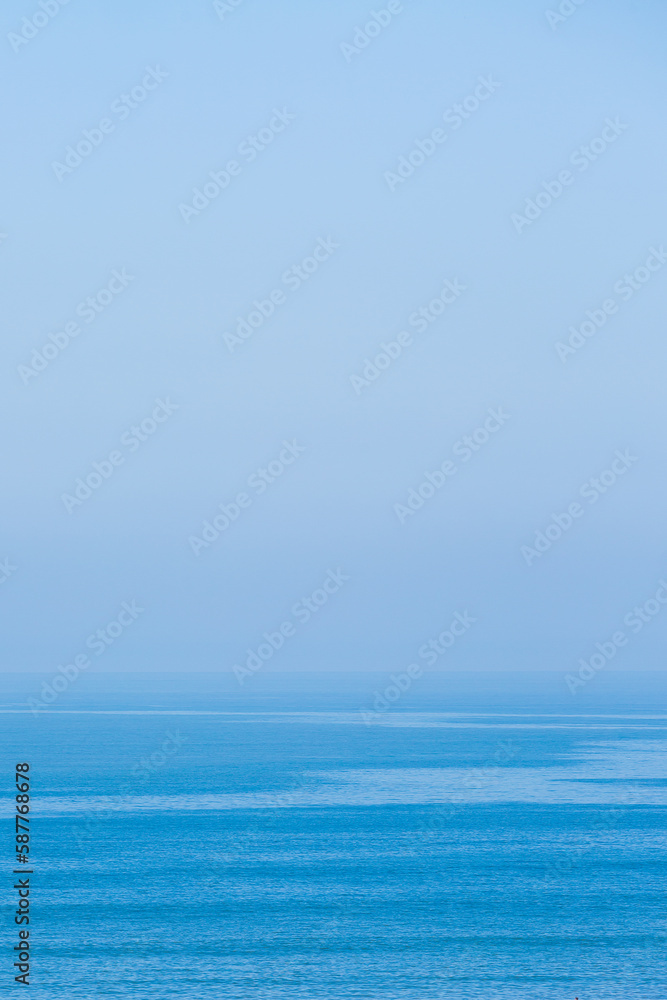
[322, 181]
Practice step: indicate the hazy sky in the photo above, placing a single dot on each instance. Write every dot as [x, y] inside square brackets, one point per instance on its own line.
[342, 201]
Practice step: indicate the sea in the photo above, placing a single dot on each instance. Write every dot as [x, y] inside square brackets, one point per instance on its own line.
[301, 845]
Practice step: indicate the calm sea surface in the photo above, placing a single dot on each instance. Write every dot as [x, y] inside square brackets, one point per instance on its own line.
[308, 855]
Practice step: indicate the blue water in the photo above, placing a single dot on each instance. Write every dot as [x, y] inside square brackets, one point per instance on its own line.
[307, 855]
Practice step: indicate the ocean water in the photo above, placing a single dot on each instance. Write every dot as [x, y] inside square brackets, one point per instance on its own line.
[304, 855]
